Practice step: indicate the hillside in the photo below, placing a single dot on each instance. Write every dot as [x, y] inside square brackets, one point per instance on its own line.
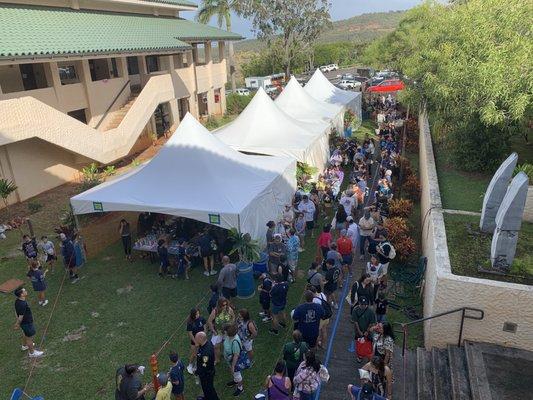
[361, 28]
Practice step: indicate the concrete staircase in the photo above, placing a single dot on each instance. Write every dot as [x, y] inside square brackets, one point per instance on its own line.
[119, 115]
[460, 373]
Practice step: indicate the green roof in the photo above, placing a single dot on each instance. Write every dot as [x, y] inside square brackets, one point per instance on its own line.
[48, 31]
[175, 2]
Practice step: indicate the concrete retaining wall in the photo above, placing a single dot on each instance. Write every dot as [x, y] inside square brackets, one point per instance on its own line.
[443, 291]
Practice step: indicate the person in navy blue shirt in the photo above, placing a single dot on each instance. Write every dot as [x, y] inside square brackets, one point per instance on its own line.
[164, 261]
[176, 375]
[307, 317]
[278, 297]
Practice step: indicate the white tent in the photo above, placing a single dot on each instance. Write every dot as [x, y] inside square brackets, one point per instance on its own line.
[263, 128]
[197, 176]
[296, 102]
[322, 89]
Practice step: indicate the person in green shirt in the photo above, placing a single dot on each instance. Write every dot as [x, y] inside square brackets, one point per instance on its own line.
[293, 353]
[363, 319]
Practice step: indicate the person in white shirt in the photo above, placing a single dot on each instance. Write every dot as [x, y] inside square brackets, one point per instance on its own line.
[288, 214]
[349, 202]
[48, 248]
[307, 207]
[366, 228]
[353, 232]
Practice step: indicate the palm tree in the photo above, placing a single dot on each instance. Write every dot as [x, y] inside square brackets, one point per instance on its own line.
[6, 188]
[222, 9]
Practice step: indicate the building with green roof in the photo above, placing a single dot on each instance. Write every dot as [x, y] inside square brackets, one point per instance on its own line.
[96, 80]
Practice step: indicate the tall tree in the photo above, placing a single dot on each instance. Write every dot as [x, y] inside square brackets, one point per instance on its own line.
[222, 10]
[293, 25]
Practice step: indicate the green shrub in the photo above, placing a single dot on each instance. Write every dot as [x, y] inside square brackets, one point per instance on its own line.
[110, 170]
[90, 176]
[34, 206]
[235, 103]
[525, 168]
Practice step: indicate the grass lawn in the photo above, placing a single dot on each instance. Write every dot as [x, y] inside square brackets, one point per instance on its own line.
[123, 313]
[468, 251]
[465, 190]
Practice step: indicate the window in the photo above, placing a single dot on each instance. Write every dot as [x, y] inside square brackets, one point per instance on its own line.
[114, 69]
[152, 64]
[67, 74]
[133, 65]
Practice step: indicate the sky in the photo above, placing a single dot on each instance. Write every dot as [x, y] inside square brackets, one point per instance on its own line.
[340, 9]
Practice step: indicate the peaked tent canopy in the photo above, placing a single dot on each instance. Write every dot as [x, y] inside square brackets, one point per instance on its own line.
[296, 102]
[197, 176]
[322, 89]
[263, 128]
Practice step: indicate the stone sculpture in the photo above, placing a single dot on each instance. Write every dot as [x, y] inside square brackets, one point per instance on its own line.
[495, 193]
[508, 223]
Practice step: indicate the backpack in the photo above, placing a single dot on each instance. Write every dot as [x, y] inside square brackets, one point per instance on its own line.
[392, 251]
[328, 312]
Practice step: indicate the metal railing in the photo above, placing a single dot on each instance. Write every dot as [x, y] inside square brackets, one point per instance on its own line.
[464, 315]
[112, 103]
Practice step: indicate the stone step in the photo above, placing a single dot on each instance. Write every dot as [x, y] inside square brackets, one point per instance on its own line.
[442, 388]
[460, 382]
[424, 374]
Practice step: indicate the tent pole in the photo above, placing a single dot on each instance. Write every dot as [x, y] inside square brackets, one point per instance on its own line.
[76, 221]
[239, 223]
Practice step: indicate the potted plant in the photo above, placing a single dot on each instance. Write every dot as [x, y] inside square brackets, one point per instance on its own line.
[248, 251]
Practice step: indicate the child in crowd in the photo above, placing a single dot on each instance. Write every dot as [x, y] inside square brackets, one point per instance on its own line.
[381, 306]
[37, 277]
[48, 248]
[264, 297]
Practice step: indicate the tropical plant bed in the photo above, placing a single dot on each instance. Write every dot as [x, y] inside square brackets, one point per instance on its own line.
[469, 249]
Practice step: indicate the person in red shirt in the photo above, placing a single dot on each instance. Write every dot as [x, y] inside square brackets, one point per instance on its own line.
[324, 240]
[345, 247]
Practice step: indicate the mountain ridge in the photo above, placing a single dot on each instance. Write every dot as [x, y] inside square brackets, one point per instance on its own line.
[362, 28]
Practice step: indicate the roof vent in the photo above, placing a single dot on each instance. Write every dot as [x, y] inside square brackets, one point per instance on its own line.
[510, 327]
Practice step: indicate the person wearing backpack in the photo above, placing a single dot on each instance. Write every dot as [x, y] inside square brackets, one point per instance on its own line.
[278, 385]
[385, 252]
[322, 301]
[293, 353]
[307, 318]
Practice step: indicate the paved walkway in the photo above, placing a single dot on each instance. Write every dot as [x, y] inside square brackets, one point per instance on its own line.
[339, 357]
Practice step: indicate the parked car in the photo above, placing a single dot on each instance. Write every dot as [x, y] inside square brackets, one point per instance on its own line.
[271, 89]
[390, 85]
[349, 84]
[329, 67]
[242, 92]
[348, 77]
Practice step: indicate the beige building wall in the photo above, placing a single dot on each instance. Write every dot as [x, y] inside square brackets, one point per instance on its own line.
[38, 166]
[443, 291]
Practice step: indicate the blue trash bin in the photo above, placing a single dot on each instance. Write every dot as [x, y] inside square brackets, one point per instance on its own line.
[245, 280]
[260, 267]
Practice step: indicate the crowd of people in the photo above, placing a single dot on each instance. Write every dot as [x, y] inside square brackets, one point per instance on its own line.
[225, 334]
